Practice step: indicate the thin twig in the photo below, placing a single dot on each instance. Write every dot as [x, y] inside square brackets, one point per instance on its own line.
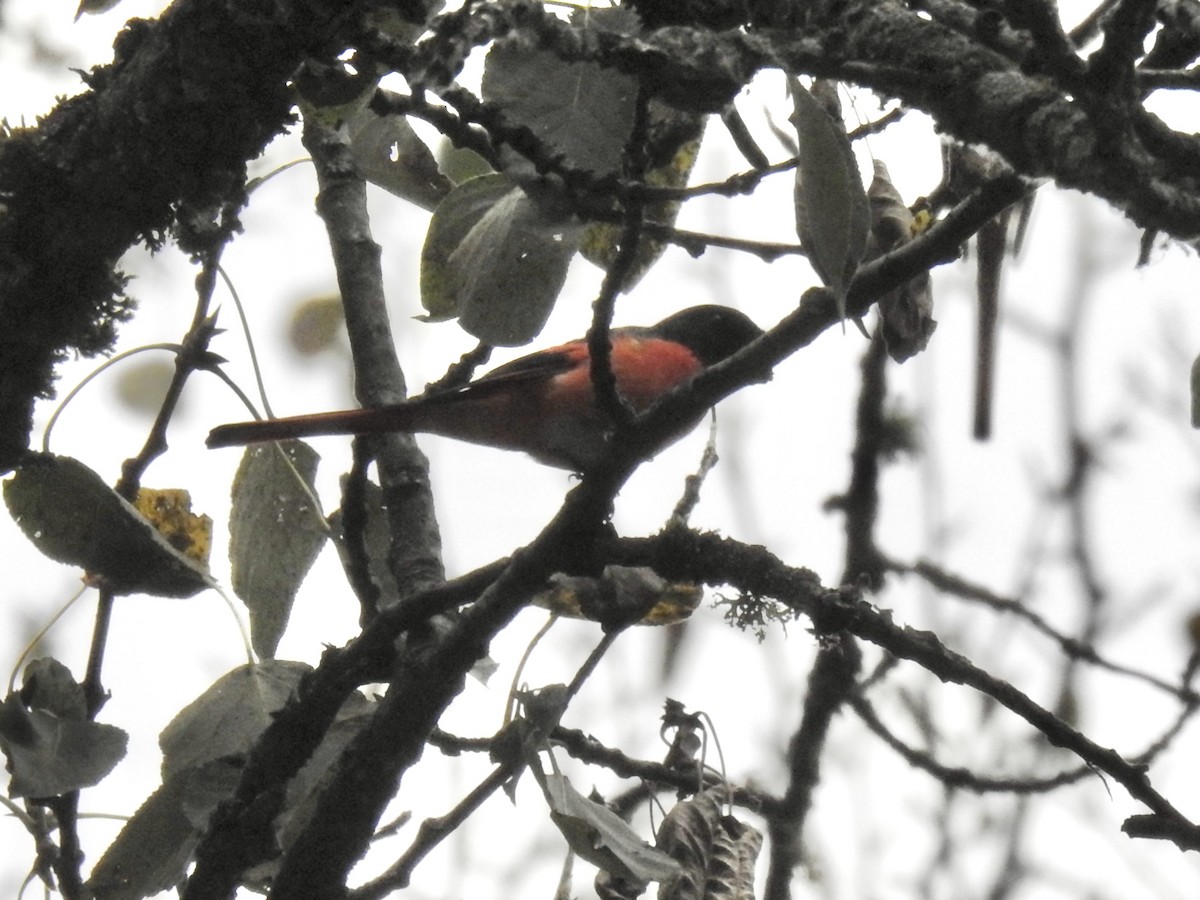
[956, 586]
[604, 382]
[431, 833]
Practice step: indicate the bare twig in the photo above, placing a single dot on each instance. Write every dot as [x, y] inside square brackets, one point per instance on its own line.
[616, 278]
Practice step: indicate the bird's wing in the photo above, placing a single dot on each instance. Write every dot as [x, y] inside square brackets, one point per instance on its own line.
[540, 366]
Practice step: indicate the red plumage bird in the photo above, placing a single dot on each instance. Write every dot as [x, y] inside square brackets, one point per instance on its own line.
[542, 403]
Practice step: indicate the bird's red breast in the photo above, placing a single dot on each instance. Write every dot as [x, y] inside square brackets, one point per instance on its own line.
[645, 368]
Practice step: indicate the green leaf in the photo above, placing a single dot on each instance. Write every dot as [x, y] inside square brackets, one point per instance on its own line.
[305, 789]
[275, 535]
[832, 212]
[143, 384]
[597, 834]
[203, 753]
[73, 517]
[511, 267]
[228, 718]
[48, 684]
[48, 756]
[582, 111]
[452, 221]
[460, 163]
[905, 313]
[390, 154]
[496, 259]
[378, 540]
[154, 849]
[673, 147]
[316, 324]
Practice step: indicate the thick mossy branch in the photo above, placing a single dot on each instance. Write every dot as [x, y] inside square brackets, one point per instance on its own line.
[158, 142]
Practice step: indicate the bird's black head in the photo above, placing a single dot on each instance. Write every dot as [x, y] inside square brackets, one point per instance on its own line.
[712, 332]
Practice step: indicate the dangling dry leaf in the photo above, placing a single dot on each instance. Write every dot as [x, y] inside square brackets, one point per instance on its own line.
[716, 852]
[907, 312]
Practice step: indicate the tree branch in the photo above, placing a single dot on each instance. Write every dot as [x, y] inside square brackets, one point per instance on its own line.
[829, 685]
[756, 571]
[415, 554]
[159, 141]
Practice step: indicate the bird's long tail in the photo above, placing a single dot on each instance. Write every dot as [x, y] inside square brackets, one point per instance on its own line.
[350, 421]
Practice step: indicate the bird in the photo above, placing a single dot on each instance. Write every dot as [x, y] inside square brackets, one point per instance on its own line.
[542, 404]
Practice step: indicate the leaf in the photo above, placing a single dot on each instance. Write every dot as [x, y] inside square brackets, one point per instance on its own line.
[832, 217]
[716, 852]
[510, 268]
[203, 752]
[142, 385]
[48, 684]
[306, 787]
[48, 755]
[906, 313]
[73, 517]
[396, 21]
[275, 535]
[169, 510]
[619, 594]
[597, 834]
[690, 739]
[390, 154]
[316, 324]
[674, 145]
[496, 259]
[892, 222]
[582, 111]
[460, 163]
[541, 712]
[378, 540]
[94, 7]
[152, 852]
[228, 718]
[452, 221]
[377, 537]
